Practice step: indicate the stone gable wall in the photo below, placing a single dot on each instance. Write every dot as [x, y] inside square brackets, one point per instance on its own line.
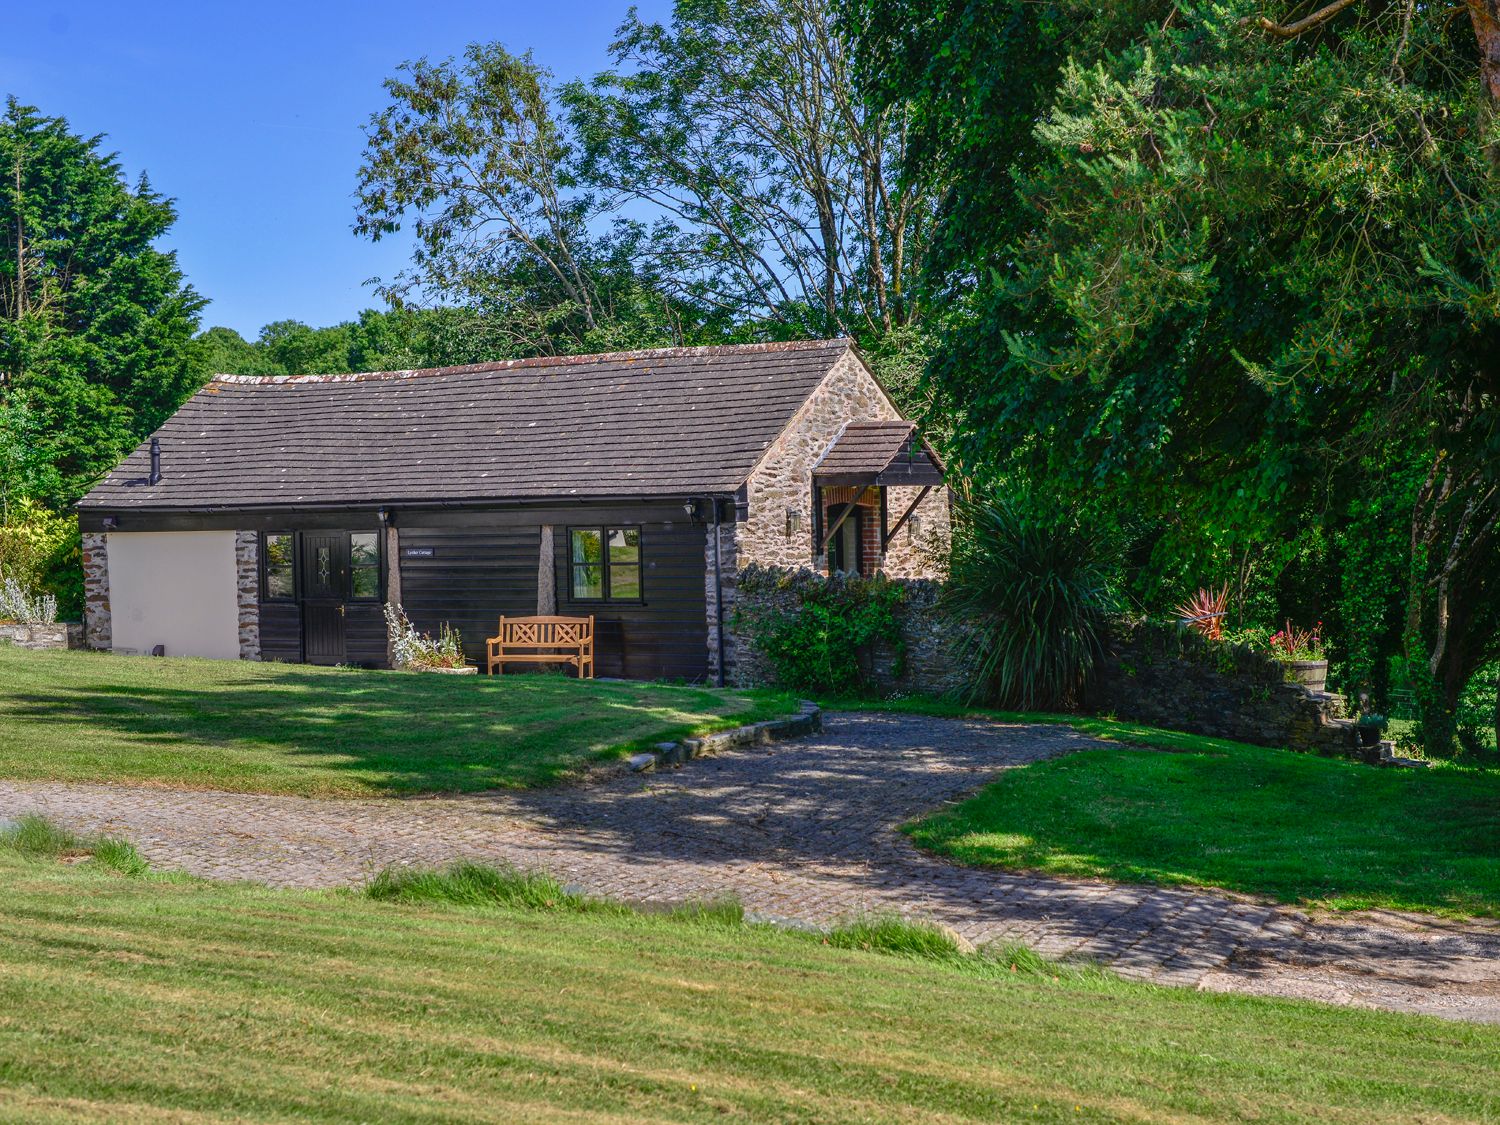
[783, 481]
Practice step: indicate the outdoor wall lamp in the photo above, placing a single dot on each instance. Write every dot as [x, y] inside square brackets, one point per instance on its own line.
[793, 522]
[913, 528]
[111, 522]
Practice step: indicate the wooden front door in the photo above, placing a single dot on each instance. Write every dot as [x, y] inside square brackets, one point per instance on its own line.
[324, 582]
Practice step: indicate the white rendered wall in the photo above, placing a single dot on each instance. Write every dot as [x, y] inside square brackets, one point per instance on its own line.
[174, 588]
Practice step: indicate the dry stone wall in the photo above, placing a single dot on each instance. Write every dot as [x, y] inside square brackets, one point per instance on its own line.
[935, 653]
[60, 635]
[1173, 678]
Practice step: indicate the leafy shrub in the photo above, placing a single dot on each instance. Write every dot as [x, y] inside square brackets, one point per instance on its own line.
[820, 634]
[39, 553]
[1204, 611]
[1036, 588]
[20, 604]
[411, 649]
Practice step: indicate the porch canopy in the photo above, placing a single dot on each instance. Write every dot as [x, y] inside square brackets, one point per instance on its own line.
[874, 455]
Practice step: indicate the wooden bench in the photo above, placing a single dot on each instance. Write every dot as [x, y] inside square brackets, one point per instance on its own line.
[535, 636]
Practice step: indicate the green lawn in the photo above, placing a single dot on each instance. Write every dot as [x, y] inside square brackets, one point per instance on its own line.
[1211, 812]
[271, 728]
[142, 998]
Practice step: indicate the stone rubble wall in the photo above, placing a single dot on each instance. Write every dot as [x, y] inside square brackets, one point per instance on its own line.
[1171, 677]
[936, 659]
[63, 634]
[247, 591]
[96, 620]
[729, 572]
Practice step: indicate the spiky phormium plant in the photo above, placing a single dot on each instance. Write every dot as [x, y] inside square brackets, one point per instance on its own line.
[1204, 611]
[1036, 586]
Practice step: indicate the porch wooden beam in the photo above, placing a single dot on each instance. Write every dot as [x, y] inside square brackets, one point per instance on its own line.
[838, 523]
[906, 515]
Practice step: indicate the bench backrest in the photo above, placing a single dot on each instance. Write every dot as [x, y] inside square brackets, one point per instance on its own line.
[546, 632]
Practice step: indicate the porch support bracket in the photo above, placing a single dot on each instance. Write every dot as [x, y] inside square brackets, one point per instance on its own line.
[838, 523]
[906, 515]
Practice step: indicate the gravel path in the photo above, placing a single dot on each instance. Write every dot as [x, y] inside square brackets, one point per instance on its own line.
[804, 833]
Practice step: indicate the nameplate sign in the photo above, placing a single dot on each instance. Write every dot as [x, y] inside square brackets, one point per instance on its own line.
[418, 552]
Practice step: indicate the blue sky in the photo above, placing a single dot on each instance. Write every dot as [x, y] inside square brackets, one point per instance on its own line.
[249, 114]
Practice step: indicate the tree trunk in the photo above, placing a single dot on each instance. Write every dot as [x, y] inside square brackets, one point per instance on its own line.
[1485, 15]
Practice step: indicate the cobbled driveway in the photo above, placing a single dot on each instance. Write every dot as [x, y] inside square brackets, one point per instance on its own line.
[805, 833]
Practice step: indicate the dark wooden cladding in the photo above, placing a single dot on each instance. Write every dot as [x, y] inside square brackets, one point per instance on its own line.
[281, 631]
[473, 575]
[364, 634]
[665, 635]
[467, 566]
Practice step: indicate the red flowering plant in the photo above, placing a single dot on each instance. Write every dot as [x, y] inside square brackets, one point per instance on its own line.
[1291, 643]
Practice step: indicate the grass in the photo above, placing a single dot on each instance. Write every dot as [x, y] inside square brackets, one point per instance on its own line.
[329, 732]
[34, 837]
[128, 999]
[1217, 813]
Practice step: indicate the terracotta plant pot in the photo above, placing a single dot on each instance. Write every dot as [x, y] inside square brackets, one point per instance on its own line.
[1311, 674]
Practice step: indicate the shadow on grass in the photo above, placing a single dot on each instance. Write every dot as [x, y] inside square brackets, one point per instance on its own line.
[196, 723]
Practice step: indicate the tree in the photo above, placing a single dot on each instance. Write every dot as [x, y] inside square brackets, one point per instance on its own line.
[722, 182]
[1240, 277]
[96, 324]
[776, 190]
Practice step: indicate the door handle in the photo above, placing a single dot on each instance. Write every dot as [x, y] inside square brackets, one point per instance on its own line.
[341, 611]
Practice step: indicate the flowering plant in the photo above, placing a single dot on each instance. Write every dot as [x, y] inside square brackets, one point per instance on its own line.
[411, 649]
[1292, 643]
[18, 604]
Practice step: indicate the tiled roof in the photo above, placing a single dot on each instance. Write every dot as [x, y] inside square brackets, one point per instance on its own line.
[878, 453]
[653, 423]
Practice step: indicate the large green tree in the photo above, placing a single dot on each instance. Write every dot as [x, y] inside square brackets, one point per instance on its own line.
[770, 189]
[1233, 267]
[96, 322]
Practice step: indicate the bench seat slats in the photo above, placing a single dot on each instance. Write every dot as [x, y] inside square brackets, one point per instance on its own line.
[539, 638]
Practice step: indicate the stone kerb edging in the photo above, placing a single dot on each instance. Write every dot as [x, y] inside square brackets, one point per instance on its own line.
[808, 720]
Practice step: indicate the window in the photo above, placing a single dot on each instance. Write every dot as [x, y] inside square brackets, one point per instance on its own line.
[605, 563]
[276, 559]
[364, 564]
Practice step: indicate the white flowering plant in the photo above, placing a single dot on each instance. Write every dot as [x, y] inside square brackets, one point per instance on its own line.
[411, 649]
[19, 604]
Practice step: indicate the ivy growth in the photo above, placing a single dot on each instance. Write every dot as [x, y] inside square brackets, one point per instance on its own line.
[821, 635]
